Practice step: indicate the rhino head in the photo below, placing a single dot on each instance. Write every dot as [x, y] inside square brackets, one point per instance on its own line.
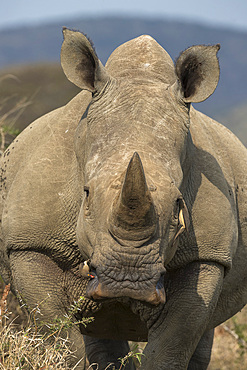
[133, 148]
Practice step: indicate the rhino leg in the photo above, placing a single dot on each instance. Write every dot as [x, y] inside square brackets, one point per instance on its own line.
[105, 351]
[201, 357]
[191, 299]
[40, 282]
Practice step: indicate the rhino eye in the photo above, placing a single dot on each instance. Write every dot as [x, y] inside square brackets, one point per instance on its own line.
[86, 190]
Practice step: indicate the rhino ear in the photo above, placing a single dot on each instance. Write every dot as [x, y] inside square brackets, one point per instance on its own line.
[80, 62]
[198, 71]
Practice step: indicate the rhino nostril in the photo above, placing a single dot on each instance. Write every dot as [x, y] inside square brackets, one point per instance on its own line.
[92, 267]
[160, 283]
[87, 270]
[93, 289]
[92, 272]
[160, 291]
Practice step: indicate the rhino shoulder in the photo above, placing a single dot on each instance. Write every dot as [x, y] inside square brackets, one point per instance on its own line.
[36, 174]
[216, 139]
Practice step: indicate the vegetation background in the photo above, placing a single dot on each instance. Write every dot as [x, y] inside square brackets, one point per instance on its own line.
[32, 84]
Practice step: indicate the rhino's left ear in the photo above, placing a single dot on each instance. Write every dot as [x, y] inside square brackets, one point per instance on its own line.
[80, 62]
[198, 71]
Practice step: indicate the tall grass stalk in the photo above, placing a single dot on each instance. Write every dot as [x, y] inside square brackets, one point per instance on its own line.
[8, 119]
[31, 348]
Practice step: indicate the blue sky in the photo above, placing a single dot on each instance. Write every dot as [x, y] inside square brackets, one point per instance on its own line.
[229, 13]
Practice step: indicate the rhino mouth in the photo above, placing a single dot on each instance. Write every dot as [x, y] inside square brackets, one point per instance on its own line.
[104, 288]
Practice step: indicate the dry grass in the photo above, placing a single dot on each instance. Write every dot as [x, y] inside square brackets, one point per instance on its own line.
[8, 119]
[230, 344]
[26, 347]
[43, 85]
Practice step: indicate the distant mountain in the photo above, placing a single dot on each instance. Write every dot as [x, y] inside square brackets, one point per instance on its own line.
[42, 43]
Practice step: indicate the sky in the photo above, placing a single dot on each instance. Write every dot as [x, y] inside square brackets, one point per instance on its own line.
[222, 13]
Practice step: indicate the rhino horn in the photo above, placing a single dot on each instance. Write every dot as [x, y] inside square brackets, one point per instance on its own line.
[134, 190]
[133, 217]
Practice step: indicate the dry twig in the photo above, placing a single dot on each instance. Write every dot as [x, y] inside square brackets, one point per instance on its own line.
[3, 303]
[241, 341]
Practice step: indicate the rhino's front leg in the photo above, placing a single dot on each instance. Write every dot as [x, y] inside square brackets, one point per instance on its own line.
[192, 295]
[41, 283]
[201, 357]
[107, 354]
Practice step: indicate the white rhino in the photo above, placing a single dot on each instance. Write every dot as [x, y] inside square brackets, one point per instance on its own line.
[131, 197]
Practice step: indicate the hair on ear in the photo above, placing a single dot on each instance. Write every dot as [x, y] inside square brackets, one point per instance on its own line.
[86, 66]
[190, 75]
[78, 51]
[80, 62]
[197, 69]
[83, 33]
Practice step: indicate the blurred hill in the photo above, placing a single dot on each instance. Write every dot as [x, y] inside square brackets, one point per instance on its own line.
[31, 54]
[42, 44]
[43, 87]
[236, 121]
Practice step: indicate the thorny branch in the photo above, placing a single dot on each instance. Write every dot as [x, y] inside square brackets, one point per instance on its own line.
[241, 341]
[3, 303]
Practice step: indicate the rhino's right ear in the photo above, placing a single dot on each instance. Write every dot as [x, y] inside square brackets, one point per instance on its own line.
[198, 71]
[80, 62]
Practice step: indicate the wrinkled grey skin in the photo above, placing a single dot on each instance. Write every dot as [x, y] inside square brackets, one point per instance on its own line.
[129, 177]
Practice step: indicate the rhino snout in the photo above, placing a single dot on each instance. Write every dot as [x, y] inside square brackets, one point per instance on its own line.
[154, 294]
